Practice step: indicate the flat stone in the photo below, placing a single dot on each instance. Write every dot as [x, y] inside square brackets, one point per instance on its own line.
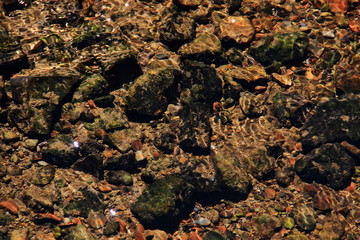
[236, 28]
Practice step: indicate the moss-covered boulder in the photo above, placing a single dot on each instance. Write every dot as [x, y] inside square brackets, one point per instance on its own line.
[163, 202]
[150, 93]
[38, 94]
[230, 174]
[92, 87]
[278, 49]
[332, 121]
[329, 164]
[200, 83]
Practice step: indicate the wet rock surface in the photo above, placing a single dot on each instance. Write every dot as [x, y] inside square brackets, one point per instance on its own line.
[186, 119]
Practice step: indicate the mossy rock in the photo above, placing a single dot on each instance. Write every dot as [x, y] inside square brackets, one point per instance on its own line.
[163, 202]
[212, 235]
[91, 88]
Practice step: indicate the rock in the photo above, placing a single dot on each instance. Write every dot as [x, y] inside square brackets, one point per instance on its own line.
[230, 174]
[119, 66]
[189, 3]
[203, 221]
[238, 29]
[212, 214]
[266, 225]
[111, 228]
[285, 48]
[270, 193]
[304, 217]
[43, 175]
[118, 177]
[121, 139]
[329, 58]
[328, 164]
[212, 235]
[31, 143]
[11, 206]
[163, 202]
[90, 164]
[195, 128]
[90, 201]
[92, 87]
[125, 162]
[333, 227]
[165, 138]
[10, 136]
[38, 199]
[324, 198]
[12, 59]
[347, 79]
[288, 223]
[108, 119]
[156, 235]
[96, 220]
[20, 234]
[150, 93]
[201, 82]
[338, 122]
[177, 29]
[252, 74]
[296, 237]
[79, 232]
[44, 236]
[205, 48]
[60, 151]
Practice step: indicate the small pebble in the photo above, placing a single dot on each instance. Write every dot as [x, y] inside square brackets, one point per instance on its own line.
[328, 34]
[203, 221]
[139, 156]
[96, 220]
[10, 136]
[270, 193]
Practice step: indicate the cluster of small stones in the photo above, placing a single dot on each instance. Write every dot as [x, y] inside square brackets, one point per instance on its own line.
[181, 119]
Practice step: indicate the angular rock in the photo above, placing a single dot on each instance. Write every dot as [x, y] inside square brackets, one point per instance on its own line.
[333, 121]
[177, 30]
[285, 48]
[120, 66]
[125, 162]
[38, 199]
[150, 94]
[189, 3]
[200, 83]
[118, 177]
[195, 128]
[43, 175]
[248, 74]
[108, 119]
[92, 87]
[111, 228]
[304, 217]
[39, 94]
[328, 164]
[163, 202]
[205, 48]
[333, 227]
[237, 29]
[121, 139]
[347, 78]
[212, 235]
[230, 174]
[96, 220]
[60, 151]
[90, 164]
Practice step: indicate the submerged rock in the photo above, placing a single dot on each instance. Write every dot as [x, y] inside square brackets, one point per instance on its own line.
[118, 177]
[237, 29]
[150, 94]
[304, 217]
[328, 164]
[163, 202]
[38, 95]
[92, 87]
[285, 48]
[79, 232]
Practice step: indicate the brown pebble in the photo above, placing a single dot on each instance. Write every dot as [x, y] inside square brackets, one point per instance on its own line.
[351, 187]
[136, 145]
[270, 193]
[194, 236]
[105, 188]
[226, 214]
[96, 220]
[10, 205]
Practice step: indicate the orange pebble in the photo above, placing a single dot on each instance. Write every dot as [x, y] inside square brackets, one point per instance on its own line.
[351, 187]
[10, 205]
[194, 236]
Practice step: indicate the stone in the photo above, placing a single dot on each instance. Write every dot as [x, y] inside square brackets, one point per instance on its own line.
[60, 151]
[177, 30]
[31, 143]
[119, 66]
[267, 225]
[163, 202]
[108, 119]
[296, 237]
[205, 48]
[189, 3]
[333, 227]
[43, 175]
[92, 87]
[288, 223]
[20, 234]
[201, 82]
[38, 199]
[270, 193]
[203, 221]
[11, 206]
[195, 128]
[90, 164]
[126, 162]
[338, 118]
[284, 48]
[212, 235]
[96, 220]
[150, 93]
[38, 94]
[79, 232]
[90, 201]
[10, 136]
[121, 139]
[212, 214]
[111, 228]
[238, 29]
[304, 217]
[328, 164]
[118, 177]
[231, 175]
[249, 74]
